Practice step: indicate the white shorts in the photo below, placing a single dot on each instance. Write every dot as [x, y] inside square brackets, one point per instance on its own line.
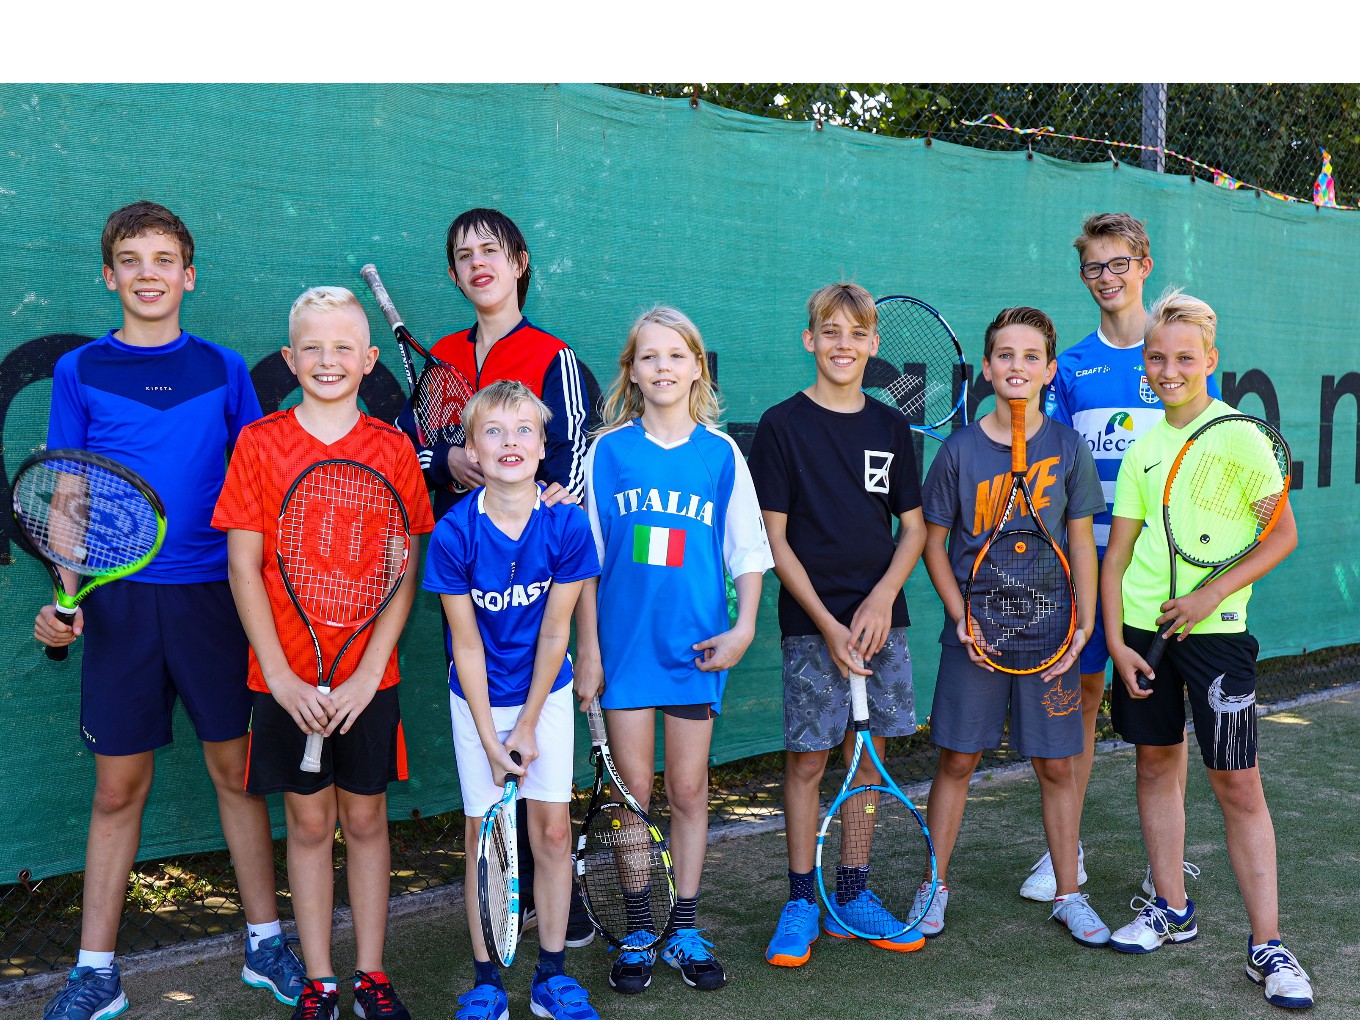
[548, 778]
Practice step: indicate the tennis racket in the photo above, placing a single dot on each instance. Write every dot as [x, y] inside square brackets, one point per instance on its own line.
[441, 392]
[498, 872]
[623, 864]
[875, 859]
[343, 544]
[1021, 605]
[919, 368]
[1228, 487]
[87, 515]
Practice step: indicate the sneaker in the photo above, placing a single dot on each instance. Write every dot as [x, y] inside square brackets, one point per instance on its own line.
[1041, 886]
[374, 996]
[315, 1003]
[1286, 983]
[794, 934]
[632, 971]
[274, 964]
[1155, 924]
[528, 917]
[580, 929]
[1086, 927]
[689, 953]
[484, 1002]
[1151, 889]
[561, 998]
[90, 993]
[867, 913]
[932, 922]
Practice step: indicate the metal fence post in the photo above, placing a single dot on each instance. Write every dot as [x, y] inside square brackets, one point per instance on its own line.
[1154, 126]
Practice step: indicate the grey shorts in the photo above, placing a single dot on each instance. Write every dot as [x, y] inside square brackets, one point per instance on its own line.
[817, 698]
[972, 705]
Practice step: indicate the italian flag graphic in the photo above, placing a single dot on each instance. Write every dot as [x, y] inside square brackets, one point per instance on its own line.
[661, 547]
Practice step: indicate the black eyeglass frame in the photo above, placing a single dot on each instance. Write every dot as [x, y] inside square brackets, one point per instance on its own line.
[1099, 267]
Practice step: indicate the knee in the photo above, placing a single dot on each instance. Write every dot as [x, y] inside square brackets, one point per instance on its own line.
[113, 797]
[364, 824]
[687, 796]
[1158, 764]
[552, 841]
[308, 831]
[1053, 770]
[803, 768]
[956, 765]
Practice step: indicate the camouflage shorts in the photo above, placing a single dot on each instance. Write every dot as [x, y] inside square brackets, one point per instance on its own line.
[817, 698]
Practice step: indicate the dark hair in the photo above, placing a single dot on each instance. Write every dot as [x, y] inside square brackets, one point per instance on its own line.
[492, 223]
[141, 218]
[1023, 315]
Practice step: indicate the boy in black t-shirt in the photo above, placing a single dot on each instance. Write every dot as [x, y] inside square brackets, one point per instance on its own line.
[833, 469]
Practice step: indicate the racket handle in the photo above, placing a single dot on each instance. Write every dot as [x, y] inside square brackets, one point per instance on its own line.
[518, 759]
[375, 284]
[1018, 458]
[311, 757]
[68, 617]
[595, 718]
[859, 693]
[1154, 656]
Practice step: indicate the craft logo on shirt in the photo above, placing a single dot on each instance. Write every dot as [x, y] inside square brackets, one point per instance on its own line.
[515, 595]
[659, 547]
[876, 465]
[1145, 391]
[1098, 370]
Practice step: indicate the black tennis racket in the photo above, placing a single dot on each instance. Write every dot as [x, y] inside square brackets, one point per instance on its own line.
[441, 392]
[919, 368]
[875, 858]
[498, 872]
[623, 864]
[88, 516]
[1020, 602]
[1227, 489]
[343, 545]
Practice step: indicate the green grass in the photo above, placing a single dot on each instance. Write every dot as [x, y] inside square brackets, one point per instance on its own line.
[998, 957]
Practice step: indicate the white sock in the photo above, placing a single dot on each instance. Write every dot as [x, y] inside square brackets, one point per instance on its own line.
[89, 958]
[257, 933]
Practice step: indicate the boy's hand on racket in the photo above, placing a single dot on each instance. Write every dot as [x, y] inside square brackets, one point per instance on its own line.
[465, 473]
[838, 643]
[589, 680]
[1180, 616]
[970, 645]
[1127, 665]
[725, 650]
[523, 740]
[1069, 658]
[349, 700]
[310, 709]
[49, 630]
[871, 623]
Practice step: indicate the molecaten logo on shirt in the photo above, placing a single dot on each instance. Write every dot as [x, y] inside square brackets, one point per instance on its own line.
[515, 595]
[876, 465]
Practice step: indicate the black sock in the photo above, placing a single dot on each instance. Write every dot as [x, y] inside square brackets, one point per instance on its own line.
[550, 964]
[487, 974]
[802, 886]
[686, 912]
[638, 909]
[850, 882]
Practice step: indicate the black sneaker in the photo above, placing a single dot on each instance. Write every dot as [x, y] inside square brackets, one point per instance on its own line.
[632, 971]
[580, 930]
[690, 953]
[374, 997]
[315, 1003]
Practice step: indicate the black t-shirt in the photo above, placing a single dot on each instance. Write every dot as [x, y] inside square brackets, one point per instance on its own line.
[842, 479]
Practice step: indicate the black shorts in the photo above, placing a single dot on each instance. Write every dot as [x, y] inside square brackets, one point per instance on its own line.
[1217, 673]
[362, 761]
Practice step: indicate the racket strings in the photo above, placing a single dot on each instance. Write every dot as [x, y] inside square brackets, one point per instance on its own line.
[926, 363]
[85, 518]
[1020, 601]
[344, 543]
[1226, 491]
[438, 402]
[499, 853]
[623, 870]
[880, 854]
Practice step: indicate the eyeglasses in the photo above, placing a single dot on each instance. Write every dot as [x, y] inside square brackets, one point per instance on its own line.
[1119, 266]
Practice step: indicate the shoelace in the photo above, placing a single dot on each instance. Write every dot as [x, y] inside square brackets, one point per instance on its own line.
[380, 990]
[1151, 912]
[315, 1002]
[1278, 958]
[790, 919]
[690, 945]
[1080, 903]
[84, 992]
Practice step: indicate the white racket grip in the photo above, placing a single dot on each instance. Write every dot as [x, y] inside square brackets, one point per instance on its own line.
[859, 691]
[375, 284]
[311, 757]
[595, 718]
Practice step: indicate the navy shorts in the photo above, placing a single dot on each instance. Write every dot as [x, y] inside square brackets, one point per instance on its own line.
[146, 645]
[1217, 673]
[972, 706]
[1095, 654]
[362, 761]
[817, 697]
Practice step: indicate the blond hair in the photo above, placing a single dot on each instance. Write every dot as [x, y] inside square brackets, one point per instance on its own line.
[322, 299]
[507, 393]
[1120, 226]
[1174, 306]
[850, 298]
[624, 401]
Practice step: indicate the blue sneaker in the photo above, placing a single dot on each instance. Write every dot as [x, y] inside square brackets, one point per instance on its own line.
[867, 913]
[794, 935]
[561, 998]
[484, 1002]
[274, 964]
[690, 953]
[90, 993]
[632, 971]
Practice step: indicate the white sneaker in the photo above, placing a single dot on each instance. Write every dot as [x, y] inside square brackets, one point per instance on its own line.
[1155, 924]
[1286, 983]
[1082, 921]
[932, 922]
[1041, 886]
[1150, 889]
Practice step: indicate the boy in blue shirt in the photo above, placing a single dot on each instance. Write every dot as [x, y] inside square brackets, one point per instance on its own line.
[169, 406]
[509, 569]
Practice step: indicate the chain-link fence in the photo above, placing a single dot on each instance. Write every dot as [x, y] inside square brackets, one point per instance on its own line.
[1267, 136]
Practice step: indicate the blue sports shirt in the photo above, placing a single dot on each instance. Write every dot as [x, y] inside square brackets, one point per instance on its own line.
[508, 580]
[170, 413]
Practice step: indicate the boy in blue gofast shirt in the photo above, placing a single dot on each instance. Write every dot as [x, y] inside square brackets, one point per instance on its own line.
[169, 406]
[509, 570]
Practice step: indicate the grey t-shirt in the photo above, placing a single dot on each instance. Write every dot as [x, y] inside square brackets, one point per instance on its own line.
[966, 488]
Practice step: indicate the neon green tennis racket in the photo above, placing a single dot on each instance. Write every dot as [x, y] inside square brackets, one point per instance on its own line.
[89, 516]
